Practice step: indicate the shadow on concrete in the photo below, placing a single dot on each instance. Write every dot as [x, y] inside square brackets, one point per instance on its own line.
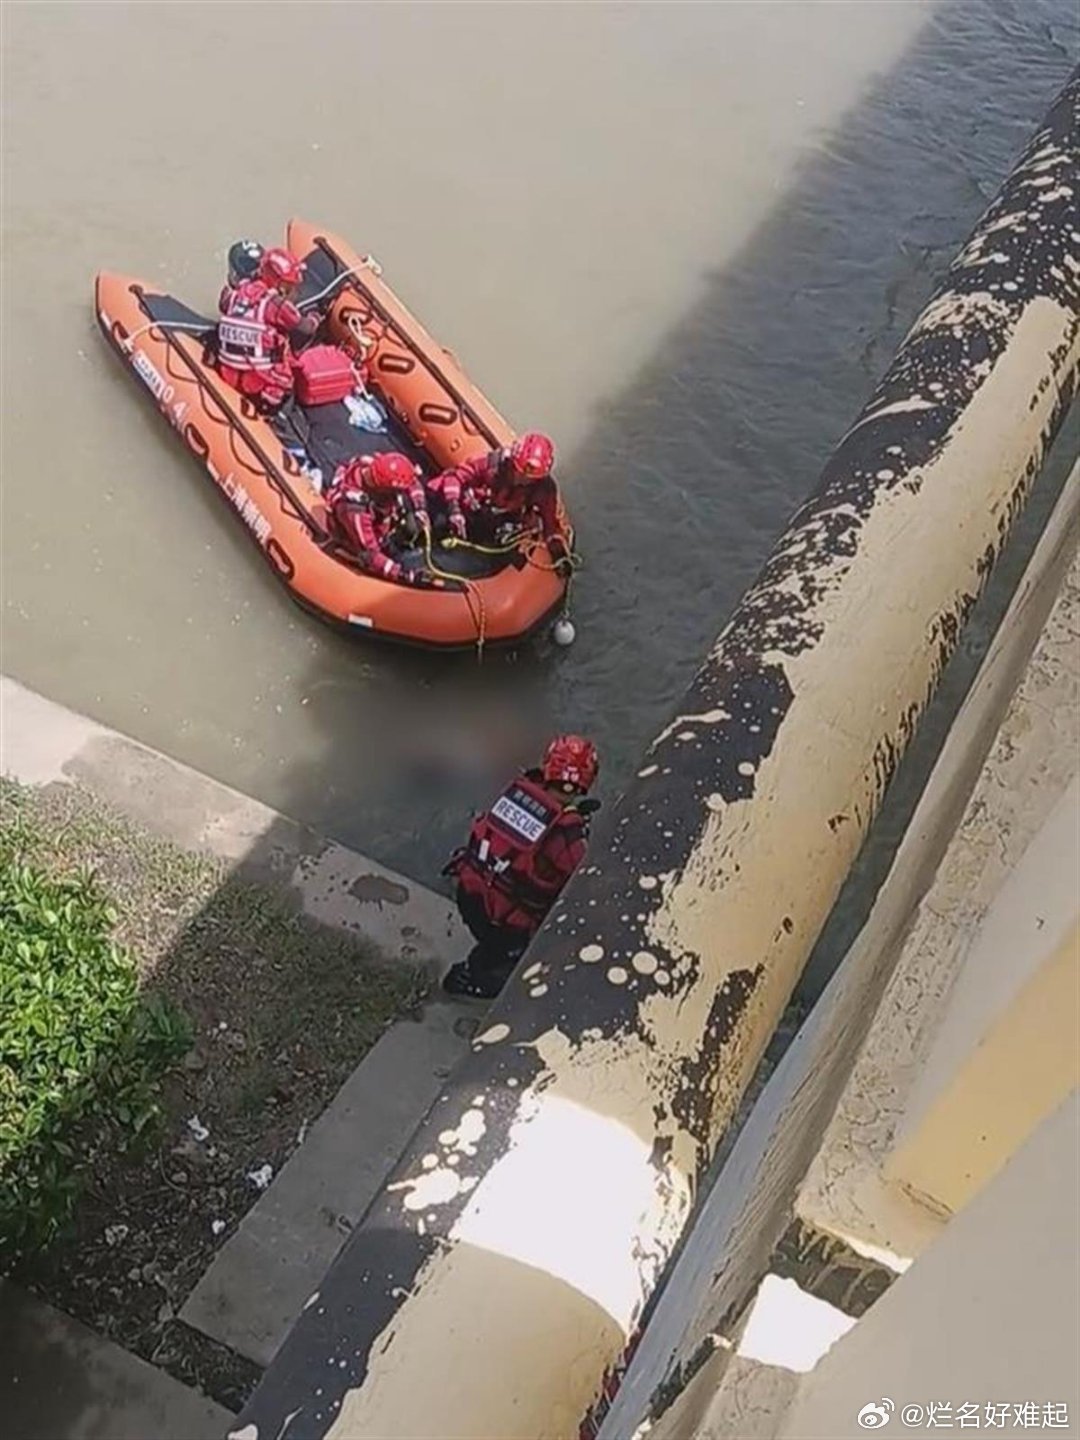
[59, 1381]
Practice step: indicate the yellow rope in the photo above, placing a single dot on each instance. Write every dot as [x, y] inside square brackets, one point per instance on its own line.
[452, 542]
[471, 589]
[532, 545]
[538, 546]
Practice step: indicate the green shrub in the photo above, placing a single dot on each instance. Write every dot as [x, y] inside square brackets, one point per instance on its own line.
[81, 1052]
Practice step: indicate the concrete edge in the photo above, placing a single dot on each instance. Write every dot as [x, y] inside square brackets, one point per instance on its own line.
[259, 1281]
[64, 1381]
[43, 743]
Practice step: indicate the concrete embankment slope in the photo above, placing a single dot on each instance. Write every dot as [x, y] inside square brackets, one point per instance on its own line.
[259, 1279]
[42, 743]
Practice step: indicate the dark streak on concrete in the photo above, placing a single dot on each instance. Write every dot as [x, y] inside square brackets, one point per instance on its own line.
[700, 1077]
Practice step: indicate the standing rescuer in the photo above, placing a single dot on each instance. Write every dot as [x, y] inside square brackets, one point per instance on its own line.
[518, 857]
[257, 317]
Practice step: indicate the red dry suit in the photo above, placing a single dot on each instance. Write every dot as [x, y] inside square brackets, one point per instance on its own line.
[491, 484]
[370, 524]
[254, 354]
[521, 853]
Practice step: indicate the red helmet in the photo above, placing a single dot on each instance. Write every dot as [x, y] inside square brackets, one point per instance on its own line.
[280, 269]
[532, 455]
[570, 760]
[389, 470]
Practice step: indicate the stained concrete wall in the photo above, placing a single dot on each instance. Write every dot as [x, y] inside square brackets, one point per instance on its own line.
[994, 1074]
[920, 1036]
[1029, 917]
[1023, 710]
[1021, 1068]
[988, 1314]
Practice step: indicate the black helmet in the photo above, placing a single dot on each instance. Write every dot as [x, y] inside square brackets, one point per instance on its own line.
[244, 258]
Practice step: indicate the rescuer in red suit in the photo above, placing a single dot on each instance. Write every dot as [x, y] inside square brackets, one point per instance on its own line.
[377, 503]
[518, 857]
[257, 318]
[511, 487]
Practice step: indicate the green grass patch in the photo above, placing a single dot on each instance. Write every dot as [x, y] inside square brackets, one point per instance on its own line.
[281, 1009]
[81, 1052]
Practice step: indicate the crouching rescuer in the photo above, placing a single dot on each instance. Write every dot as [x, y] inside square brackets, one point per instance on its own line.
[518, 857]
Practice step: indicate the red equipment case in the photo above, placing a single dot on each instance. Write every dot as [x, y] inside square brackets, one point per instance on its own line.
[324, 375]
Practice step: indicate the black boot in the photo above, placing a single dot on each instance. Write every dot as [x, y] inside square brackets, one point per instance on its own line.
[462, 981]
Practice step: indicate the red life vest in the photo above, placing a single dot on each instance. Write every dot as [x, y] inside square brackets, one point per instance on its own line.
[503, 859]
[245, 340]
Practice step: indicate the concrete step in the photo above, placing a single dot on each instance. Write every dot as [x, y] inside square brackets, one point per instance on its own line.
[45, 744]
[61, 1381]
[258, 1283]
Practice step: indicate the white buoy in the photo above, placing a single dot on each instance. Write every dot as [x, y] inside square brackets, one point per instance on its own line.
[564, 632]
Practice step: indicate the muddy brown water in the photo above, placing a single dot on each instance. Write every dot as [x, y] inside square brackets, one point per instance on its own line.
[684, 238]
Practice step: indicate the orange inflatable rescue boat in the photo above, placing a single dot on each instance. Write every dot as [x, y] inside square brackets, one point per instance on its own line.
[270, 468]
